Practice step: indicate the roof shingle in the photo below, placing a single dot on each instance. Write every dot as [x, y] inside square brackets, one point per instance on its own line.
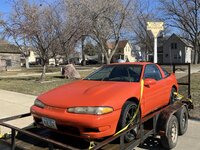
[5, 47]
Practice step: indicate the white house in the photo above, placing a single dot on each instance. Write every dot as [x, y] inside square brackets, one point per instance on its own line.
[124, 51]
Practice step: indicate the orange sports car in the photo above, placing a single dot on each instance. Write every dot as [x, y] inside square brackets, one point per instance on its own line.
[105, 101]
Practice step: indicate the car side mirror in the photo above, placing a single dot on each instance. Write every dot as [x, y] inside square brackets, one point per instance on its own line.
[149, 81]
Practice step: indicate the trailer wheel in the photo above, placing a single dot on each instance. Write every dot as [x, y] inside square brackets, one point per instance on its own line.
[127, 113]
[170, 139]
[172, 96]
[182, 117]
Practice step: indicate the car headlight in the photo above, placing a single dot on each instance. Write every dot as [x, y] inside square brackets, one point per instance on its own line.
[38, 103]
[90, 110]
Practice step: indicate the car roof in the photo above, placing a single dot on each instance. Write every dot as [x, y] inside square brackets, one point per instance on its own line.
[132, 63]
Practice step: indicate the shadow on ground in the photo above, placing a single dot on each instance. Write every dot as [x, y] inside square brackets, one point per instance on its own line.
[151, 143]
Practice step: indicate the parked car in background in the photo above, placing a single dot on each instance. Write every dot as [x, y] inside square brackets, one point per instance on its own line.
[105, 101]
[91, 62]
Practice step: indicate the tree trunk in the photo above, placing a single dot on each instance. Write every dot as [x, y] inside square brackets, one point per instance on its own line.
[43, 75]
[196, 50]
[195, 61]
[27, 62]
[102, 59]
[56, 62]
[108, 60]
[83, 53]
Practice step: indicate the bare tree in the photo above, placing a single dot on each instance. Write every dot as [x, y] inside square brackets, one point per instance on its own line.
[67, 26]
[10, 30]
[18, 38]
[105, 22]
[138, 25]
[90, 48]
[34, 23]
[184, 16]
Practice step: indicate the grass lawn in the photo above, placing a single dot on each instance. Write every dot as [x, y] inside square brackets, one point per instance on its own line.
[195, 93]
[30, 85]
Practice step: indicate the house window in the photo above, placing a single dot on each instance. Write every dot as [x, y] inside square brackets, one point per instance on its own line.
[173, 45]
[8, 62]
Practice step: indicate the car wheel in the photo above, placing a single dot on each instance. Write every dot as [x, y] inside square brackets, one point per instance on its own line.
[172, 96]
[170, 139]
[182, 117]
[127, 113]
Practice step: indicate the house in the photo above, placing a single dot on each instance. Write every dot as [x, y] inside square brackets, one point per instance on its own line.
[147, 52]
[177, 50]
[34, 58]
[9, 57]
[124, 51]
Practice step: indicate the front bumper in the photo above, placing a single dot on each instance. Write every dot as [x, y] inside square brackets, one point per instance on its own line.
[82, 125]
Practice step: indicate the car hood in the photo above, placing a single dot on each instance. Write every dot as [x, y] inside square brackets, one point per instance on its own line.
[88, 93]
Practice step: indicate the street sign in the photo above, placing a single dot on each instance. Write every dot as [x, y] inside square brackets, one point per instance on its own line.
[155, 28]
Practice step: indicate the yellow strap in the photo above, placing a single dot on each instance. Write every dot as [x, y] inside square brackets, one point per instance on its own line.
[92, 144]
[136, 112]
[1, 135]
[179, 96]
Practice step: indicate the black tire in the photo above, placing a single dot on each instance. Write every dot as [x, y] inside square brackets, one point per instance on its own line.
[182, 117]
[127, 113]
[172, 98]
[170, 139]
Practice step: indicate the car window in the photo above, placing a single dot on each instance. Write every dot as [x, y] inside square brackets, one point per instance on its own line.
[124, 73]
[152, 71]
[166, 73]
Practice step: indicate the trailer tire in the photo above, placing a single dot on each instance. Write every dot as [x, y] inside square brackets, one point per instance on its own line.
[127, 113]
[170, 139]
[182, 117]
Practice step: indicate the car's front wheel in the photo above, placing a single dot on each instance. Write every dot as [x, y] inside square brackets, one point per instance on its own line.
[128, 111]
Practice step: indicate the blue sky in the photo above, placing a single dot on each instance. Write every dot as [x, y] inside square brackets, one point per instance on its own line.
[4, 6]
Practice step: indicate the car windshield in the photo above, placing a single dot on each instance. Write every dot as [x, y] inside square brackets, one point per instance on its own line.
[121, 73]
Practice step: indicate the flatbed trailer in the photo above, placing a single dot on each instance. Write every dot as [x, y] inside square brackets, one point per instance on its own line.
[162, 122]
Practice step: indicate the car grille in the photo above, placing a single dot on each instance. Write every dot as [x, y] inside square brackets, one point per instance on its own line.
[61, 128]
[69, 129]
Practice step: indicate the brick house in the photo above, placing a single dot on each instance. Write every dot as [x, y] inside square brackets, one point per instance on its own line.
[9, 57]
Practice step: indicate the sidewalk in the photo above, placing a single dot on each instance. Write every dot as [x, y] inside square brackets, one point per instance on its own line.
[12, 104]
[27, 75]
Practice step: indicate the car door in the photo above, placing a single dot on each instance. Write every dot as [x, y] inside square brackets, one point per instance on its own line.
[153, 94]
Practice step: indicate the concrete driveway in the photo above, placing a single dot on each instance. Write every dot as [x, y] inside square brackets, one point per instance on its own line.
[12, 103]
